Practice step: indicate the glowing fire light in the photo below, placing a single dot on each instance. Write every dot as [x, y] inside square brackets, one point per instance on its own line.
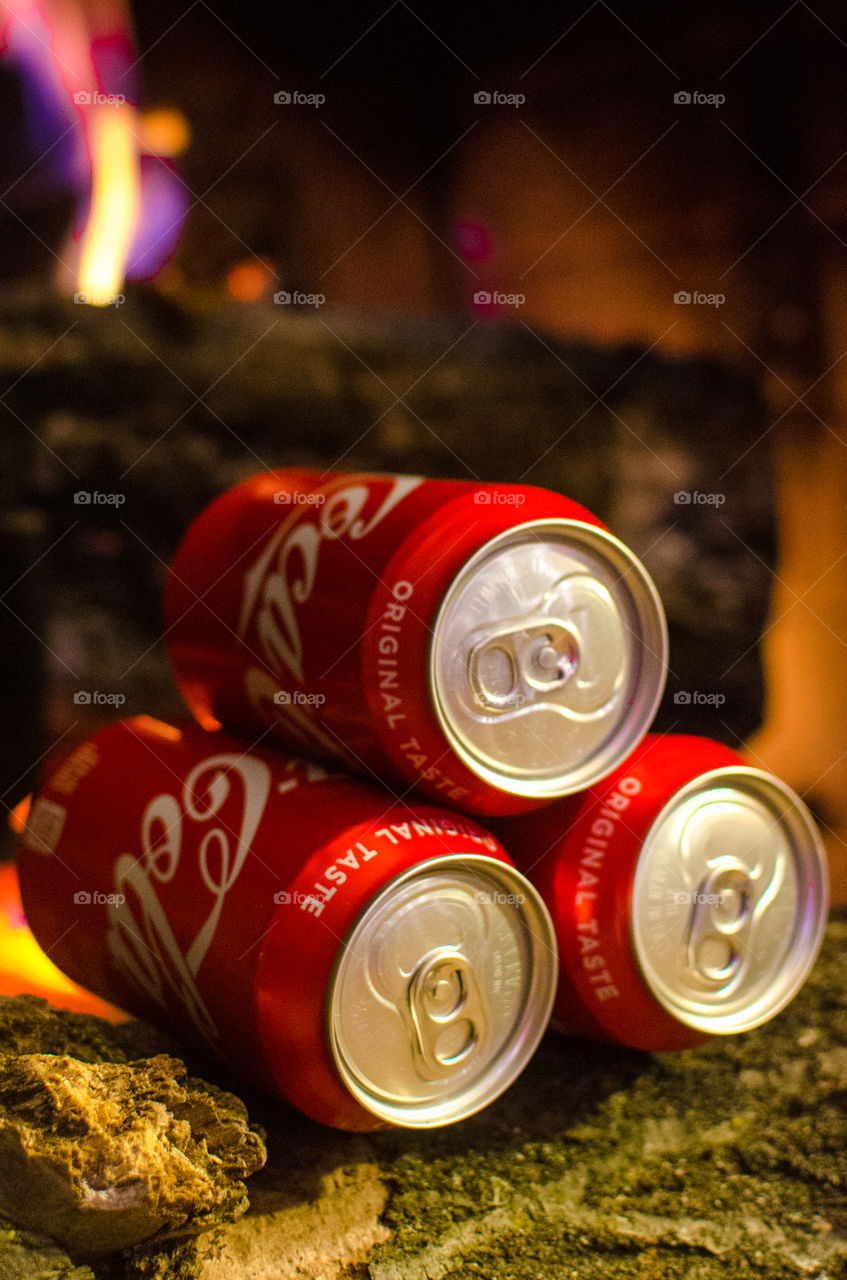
[19, 815]
[115, 204]
[250, 280]
[164, 131]
[78, 71]
[149, 724]
[26, 970]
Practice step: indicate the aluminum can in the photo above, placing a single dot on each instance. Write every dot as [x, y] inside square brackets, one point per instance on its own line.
[689, 894]
[373, 962]
[492, 646]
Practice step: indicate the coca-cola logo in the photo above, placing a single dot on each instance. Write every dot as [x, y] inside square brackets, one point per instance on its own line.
[285, 572]
[174, 828]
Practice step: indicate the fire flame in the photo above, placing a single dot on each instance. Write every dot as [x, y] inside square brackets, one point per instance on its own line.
[20, 813]
[25, 969]
[78, 71]
[115, 203]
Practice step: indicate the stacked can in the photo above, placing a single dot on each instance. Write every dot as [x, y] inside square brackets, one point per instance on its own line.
[689, 894]
[374, 962]
[496, 649]
[492, 647]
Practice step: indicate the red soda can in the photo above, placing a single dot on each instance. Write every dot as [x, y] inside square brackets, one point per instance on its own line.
[494, 647]
[373, 962]
[688, 891]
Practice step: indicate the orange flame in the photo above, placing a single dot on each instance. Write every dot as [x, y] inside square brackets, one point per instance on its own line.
[115, 204]
[164, 131]
[18, 816]
[158, 728]
[25, 969]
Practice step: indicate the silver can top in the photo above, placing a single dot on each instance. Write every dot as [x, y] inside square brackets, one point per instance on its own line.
[548, 657]
[729, 900]
[442, 990]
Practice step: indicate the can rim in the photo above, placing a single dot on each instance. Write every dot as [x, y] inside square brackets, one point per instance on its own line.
[523, 1038]
[809, 860]
[646, 621]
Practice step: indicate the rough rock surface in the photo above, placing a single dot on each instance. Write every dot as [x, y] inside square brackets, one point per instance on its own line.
[296, 1228]
[102, 1156]
[29, 1024]
[729, 1160]
[725, 1161]
[27, 1256]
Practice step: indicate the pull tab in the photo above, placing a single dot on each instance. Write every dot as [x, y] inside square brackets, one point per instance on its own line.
[719, 923]
[732, 894]
[725, 913]
[520, 658]
[449, 1019]
[569, 652]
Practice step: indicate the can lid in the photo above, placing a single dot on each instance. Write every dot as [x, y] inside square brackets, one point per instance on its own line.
[729, 900]
[548, 657]
[442, 990]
